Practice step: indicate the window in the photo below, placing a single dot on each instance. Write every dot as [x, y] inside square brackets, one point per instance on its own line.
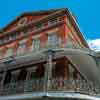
[25, 31]
[1, 41]
[22, 45]
[53, 39]
[22, 48]
[52, 21]
[9, 52]
[13, 36]
[1, 53]
[6, 39]
[38, 25]
[23, 21]
[70, 44]
[36, 44]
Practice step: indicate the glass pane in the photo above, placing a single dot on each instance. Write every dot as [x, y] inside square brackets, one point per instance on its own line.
[53, 21]
[70, 44]
[22, 45]
[38, 25]
[36, 44]
[53, 39]
[9, 52]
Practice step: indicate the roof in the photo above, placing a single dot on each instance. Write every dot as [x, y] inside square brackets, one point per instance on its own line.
[34, 13]
[52, 13]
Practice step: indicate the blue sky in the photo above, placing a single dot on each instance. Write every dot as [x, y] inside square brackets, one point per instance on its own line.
[86, 11]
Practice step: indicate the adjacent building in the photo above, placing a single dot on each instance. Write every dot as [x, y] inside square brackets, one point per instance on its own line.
[43, 55]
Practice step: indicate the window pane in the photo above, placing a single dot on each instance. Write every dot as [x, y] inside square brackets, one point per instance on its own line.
[22, 48]
[9, 52]
[1, 53]
[70, 44]
[53, 21]
[38, 25]
[22, 45]
[36, 44]
[53, 39]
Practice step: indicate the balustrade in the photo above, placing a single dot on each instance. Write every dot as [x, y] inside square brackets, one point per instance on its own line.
[77, 86]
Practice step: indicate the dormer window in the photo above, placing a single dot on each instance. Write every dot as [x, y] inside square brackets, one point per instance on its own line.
[52, 21]
[22, 22]
[38, 25]
[25, 31]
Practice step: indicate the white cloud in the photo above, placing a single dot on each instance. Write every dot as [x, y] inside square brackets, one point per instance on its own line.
[94, 44]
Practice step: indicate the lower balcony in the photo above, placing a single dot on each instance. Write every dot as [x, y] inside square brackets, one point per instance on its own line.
[54, 85]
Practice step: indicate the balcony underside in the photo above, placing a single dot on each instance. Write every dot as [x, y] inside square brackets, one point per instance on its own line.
[81, 59]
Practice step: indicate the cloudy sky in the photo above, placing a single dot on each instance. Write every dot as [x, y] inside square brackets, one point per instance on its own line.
[86, 12]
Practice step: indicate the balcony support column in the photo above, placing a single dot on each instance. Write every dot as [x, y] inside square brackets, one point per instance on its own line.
[48, 69]
[2, 82]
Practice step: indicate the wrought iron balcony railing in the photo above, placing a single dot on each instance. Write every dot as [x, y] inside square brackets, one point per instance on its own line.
[80, 86]
[76, 86]
[22, 87]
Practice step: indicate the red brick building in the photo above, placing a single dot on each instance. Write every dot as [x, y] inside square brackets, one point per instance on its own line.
[41, 52]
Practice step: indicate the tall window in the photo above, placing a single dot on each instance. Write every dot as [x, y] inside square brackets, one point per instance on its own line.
[9, 52]
[36, 44]
[1, 53]
[1, 41]
[22, 48]
[13, 36]
[53, 39]
[70, 44]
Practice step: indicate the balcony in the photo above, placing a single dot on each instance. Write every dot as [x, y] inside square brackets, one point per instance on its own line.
[22, 87]
[55, 85]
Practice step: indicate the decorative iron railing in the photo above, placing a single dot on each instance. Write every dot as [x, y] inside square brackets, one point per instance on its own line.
[80, 86]
[22, 87]
[76, 86]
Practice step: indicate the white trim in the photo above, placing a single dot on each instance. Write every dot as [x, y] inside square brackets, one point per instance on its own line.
[36, 36]
[52, 31]
[23, 41]
[22, 24]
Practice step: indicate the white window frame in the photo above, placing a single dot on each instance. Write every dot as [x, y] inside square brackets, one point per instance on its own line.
[50, 22]
[54, 43]
[37, 37]
[21, 50]
[9, 53]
